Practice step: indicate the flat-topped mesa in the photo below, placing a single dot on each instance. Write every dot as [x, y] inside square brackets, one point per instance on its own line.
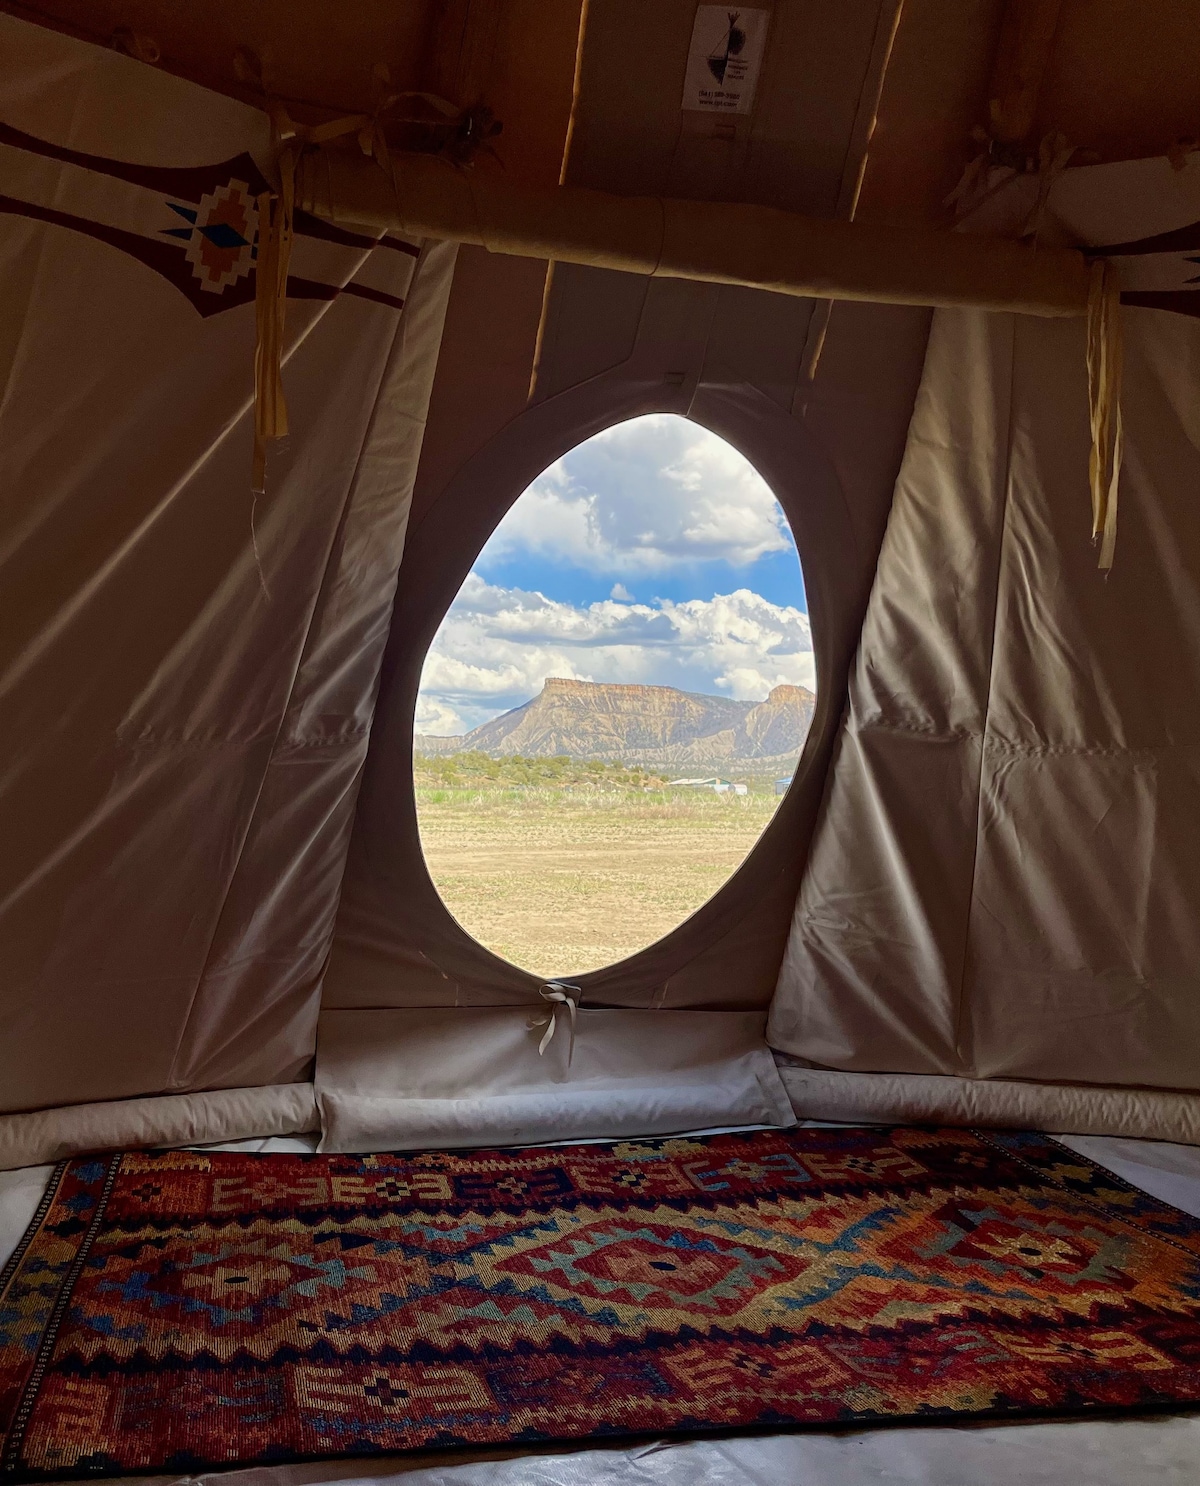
[632, 723]
[556, 686]
[599, 719]
[780, 724]
[789, 695]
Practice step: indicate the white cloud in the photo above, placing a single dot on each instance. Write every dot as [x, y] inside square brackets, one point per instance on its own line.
[619, 591]
[436, 717]
[649, 496]
[497, 646]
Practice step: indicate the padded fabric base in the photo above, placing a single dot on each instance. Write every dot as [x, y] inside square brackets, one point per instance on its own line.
[171, 1119]
[393, 1079]
[935, 1099]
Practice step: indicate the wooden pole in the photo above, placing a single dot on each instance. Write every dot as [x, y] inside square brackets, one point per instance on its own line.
[718, 242]
[1026, 44]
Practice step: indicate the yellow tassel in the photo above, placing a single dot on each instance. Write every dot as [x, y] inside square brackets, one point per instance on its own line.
[270, 312]
[275, 242]
[275, 239]
[1104, 365]
[274, 255]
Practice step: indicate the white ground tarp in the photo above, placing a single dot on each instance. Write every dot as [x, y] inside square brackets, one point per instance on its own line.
[1004, 879]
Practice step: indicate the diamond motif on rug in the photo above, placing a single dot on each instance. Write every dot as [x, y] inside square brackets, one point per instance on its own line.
[653, 1265]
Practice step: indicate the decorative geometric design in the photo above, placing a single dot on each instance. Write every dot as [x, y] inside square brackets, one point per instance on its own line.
[138, 209]
[221, 242]
[1156, 271]
[188, 1310]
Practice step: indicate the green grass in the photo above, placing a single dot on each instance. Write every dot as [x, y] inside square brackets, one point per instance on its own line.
[564, 865]
[562, 771]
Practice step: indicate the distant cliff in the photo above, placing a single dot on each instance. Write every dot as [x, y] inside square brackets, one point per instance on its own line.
[642, 724]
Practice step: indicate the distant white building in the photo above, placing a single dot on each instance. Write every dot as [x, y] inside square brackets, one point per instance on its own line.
[718, 786]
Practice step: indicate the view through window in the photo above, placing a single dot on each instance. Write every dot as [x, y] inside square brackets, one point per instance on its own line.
[614, 704]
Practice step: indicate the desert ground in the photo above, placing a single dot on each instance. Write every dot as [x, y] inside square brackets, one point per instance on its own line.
[566, 874]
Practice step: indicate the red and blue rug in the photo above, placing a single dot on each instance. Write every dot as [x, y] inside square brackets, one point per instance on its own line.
[185, 1310]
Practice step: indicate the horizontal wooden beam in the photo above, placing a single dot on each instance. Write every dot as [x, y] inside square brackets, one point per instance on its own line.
[718, 242]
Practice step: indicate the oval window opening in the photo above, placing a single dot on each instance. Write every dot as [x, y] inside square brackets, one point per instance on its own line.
[616, 700]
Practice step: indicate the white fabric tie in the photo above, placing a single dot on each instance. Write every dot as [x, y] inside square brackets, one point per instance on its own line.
[561, 997]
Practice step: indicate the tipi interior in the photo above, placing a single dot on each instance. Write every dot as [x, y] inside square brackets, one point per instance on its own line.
[297, 300]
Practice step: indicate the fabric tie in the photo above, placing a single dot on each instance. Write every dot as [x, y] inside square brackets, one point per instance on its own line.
[561, 997]
[1054, 155]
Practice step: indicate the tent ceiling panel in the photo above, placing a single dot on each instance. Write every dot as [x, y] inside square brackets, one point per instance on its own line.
[515, 56]
[632, 137]
[313, 52]
[1118, 79]
[935, 90]
[1122, 77]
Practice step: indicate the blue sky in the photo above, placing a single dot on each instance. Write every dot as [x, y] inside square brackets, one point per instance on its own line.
[651, 553]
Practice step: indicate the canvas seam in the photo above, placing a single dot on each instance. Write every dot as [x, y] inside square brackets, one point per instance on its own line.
[961, 1003]
[850, 182]
[1016, 750]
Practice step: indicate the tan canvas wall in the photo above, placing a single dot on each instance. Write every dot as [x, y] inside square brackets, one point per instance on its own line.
[1004, 881]
[616, 345]
[186, 681]
[739, 358]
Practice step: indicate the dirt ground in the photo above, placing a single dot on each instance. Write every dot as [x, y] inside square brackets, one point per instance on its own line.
[560, 883]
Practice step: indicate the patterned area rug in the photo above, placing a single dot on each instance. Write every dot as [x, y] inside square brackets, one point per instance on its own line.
[186, 1310]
